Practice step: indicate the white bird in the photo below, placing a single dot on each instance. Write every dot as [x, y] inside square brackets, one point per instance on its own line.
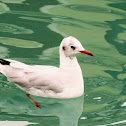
[49, 81]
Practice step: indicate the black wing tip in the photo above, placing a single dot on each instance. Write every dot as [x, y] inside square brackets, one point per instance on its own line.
[4, 62]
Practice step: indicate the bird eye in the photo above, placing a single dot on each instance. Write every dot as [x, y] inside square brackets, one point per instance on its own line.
[64, 48]
[72, 47]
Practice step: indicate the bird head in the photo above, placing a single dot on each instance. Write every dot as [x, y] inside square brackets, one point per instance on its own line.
[71, 47]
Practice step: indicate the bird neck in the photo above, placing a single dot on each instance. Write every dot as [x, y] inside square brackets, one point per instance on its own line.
[68, 62]
[71, 73]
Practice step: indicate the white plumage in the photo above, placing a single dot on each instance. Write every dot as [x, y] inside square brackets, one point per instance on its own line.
[48, 81]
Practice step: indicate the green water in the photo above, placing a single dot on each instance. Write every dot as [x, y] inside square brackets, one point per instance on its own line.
[31, 31]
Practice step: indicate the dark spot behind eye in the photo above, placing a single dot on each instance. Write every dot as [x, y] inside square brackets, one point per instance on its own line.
[63, 48]
[72, 47]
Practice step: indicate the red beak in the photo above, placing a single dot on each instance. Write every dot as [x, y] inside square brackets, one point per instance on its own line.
[87, 52]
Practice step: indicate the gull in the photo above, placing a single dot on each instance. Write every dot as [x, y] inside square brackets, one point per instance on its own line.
[65, 81]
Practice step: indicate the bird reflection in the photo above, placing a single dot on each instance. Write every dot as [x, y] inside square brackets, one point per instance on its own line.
[68, 111]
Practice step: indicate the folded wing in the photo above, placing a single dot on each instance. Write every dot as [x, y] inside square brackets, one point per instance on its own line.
[37, 77]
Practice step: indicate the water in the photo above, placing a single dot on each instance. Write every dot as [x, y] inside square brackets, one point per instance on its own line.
[31, 31]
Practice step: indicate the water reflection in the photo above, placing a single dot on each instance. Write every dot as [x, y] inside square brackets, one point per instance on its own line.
[116, 75]
[3, 8]
[68, 111]
[15, 123]
[112, 36]
[118, 26]
[3, 52]
[20, 42]
[87, 8]
[14, 29]
[102, 30]
[13, 1]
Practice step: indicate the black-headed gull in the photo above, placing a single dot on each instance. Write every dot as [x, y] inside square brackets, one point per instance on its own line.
[49, 81]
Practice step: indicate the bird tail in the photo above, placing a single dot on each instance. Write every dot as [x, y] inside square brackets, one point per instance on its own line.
[4, 62]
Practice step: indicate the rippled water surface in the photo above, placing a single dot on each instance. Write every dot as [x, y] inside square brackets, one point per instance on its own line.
[31, 31]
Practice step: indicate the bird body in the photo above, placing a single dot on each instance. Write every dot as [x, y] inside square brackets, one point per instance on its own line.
[48, 81]
[45, 81]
